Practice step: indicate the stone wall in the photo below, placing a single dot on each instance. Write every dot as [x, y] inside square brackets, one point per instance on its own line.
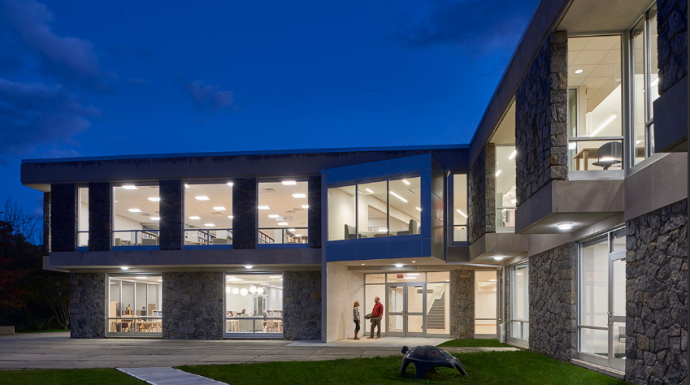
[244, 211]
[171, 208]
[552, 298]
[302, 305]
[46, 223]
[193, 305]
[541, 103]
[482, 195]
[87, 305]
[63, 221]
[462, 304]
[657, 296]
[314, 214]
[100, 216]
[672, 25]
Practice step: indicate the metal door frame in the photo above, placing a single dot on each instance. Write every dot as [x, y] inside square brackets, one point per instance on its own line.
[405, 312]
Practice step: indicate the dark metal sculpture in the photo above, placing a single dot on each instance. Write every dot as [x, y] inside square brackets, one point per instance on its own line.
[426, 358]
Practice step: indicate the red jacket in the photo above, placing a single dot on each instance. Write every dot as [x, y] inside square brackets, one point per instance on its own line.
[378, 310]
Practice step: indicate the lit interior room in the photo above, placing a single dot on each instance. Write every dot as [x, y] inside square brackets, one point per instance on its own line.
[485, 300]
[460, 208]
[505, 189]
[83, 217]
[135, 215]
[283, 212]
[135, 304]
[254, 303]
[208, 214]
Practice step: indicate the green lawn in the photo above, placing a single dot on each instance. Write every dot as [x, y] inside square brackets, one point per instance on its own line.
[67, 376]
[472, 343]
[45, 331]
[520, 367]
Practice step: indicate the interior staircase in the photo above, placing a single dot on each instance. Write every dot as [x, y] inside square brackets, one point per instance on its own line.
[436, 317]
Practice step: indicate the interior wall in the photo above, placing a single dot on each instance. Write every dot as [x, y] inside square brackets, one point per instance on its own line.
[83, 222]
[344, 288]
[340, 212]
[122, 223]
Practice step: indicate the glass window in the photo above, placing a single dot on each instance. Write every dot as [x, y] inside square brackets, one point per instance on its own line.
[485, 300]
[341, 213]
[438, 276]
[460, 207]
[594, 283]
[135, 215]
[594, 81]
[208, 214]
[372, 209]
[407, 277]
[405, 206]
[135, 304]
[283, 212]
[254, 303]
[505, 189]
[519, 311]
[83, 217]
[645, 82]
[375, 278]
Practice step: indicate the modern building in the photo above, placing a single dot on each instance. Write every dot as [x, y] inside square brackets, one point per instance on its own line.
[561, 226]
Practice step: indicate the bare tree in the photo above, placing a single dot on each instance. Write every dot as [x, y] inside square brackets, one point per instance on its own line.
[22, 220]
[59, 302]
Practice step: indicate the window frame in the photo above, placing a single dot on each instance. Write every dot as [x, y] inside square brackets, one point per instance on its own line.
[450, 207]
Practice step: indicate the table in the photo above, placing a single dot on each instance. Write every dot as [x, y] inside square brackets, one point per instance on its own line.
[587, 153]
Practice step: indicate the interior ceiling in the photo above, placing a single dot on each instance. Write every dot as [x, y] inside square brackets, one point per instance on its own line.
[150, 279]
[599, 59]
[505, 181]
[278, 197]
[410, 192]
[590, 16]
[220, 195]
[124, 200]
[505, 133]
[254, 279]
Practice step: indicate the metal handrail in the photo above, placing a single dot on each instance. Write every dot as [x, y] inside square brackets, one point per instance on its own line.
[208, 235]
[594, 138]
[284, 232]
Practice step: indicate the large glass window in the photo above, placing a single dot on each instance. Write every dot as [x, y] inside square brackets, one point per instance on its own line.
[505, 189]
[283, 212]
[519, 302]
[135, 304]
[83, 217]
[485, 302]
[342, 201]
[208, 214]
[254, 303]
[404, 217]
[595, 132]
[135, 215]
[594, 296]
[460, 207]
[372, 209]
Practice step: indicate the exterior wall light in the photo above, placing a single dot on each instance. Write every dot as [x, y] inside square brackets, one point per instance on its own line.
[124, 267]
[564, 226]
[399, 265]
[248, 266]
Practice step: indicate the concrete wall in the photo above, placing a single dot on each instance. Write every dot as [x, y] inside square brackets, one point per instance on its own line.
[344, 287]
[193, 305]
[482, 194]
[302, 305]
[171, 208]
[462, 304]
[87, 305]
[100, 216]
[657, 296]
[244, 210]
[63, 211]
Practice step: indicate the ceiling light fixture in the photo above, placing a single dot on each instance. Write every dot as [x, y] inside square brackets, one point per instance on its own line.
[154, 199]
[289, 183]
[498, 173]
[293, 230]
[209, 225]
[230, 216]
[579, 71]
[260, 290]
[300, 195]
[363, 264]
[371, 192]
[194, 218]
[565, 226]
[244, 292]
[252, 289]
[406, 182]
[124, 267]
[130, 187]
[461, 213]
[248, 266]
[134, 210]
[201, 198]
[399, 265]
[273, 216]
[264, 208]
[282, 224]
[298, 235]
[604, 124]
[142, 277]
[227, 289]
[418, 209]
[219, 208]
[512, 155]
[230, 184]
[414, 261]
[155, 218]
[235, 290]
[498, 257]
[513, 201]
[399, 197]
[305, 206]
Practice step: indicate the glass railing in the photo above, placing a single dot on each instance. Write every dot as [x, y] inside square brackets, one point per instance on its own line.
[269, 236]
[135, 237]
[207, 237]
[135, 324]
[505, 219]
[82, 239]
[253, 325]
[597, 153]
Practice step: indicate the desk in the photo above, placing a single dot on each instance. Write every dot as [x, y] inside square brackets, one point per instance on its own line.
[587, 153]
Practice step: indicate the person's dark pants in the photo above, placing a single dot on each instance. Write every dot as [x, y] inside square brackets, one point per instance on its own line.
[376, 323]
[356, 326]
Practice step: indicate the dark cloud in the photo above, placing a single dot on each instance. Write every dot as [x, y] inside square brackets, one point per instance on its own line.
[34, 114]
[476, 26]
[207, 98]
[69, 60]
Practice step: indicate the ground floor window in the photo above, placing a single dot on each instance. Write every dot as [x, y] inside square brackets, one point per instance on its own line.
[519, 302]
[254, 304]
[135, 304]
[485, 303]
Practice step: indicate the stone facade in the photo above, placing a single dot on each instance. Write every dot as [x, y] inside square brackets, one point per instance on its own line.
[46, 223]
[87, 305]
[482, 197]
[672, 26]
[193, 305]
[314, 214]
[462, 304]
[100, 216]
[171, 208]
[552, 299]
[63, 212]
[244, 203]
[541, 102]
[657, 296]
[302, 305]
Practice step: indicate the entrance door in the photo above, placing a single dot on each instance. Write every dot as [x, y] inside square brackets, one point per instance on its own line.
[617, 310]
[405, 315]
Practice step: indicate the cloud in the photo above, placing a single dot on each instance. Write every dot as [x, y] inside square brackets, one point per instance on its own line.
[207, 98]
[34, 114]
[69, 60]
[475, 26]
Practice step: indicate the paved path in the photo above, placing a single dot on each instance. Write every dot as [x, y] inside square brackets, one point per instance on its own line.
[168, 376]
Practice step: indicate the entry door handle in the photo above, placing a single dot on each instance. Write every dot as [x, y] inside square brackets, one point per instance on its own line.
[610, 318]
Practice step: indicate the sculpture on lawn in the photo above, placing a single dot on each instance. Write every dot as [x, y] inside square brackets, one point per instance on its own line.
[426, 358]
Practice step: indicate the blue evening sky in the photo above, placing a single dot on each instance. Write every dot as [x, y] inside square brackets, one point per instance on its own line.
[90, 78]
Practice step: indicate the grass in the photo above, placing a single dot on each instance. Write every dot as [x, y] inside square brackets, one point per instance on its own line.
[519, 367]
[67, 376]
[472, 343]
[45, 331]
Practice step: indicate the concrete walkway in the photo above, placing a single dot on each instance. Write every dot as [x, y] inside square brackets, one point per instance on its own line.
[168, 376]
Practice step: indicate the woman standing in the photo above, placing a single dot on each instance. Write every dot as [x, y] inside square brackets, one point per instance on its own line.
[355, 315]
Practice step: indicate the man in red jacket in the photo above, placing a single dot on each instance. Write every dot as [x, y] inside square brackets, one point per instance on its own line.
[376, 315]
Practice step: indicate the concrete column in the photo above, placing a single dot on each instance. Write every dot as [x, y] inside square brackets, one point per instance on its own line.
[314, 214]
[462, 304]
[46, 223]
[244, 208]
[100, 216]
[87, 305]
[302, 305]
[171, 209]
[193, 305]
[63, 213]
[482, 194]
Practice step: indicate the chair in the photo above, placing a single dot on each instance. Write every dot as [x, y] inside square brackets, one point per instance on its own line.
[412, 229]
[350, 232]
[609, 154]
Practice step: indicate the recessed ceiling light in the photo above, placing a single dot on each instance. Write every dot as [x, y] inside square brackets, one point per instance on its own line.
[209, 225]
[194, 218]
[141, 277]
[369, 190]
[498, 257]
[248, 266]
[406, 182]
[124, 267]
[154, 199]
[282, 223]
[363, 264]
[412, 274]
[219, 208]
[305, 206]
[155, 218]
[293, 230]
[264, 208]
[273, 216]
[230, 184]
[565, 226]
[492, 280]
[134, 210]
[289, 183]
[399, 265]
[418, 209]
[461, 213]
[513, 154]
[579, 71]
[299, 195]
[414, 261]
[498, 172]
[298, 235]
[202, 198]
[399, 197]
[130, 187]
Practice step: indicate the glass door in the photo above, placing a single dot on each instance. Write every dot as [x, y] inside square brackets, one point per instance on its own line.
[414, 314]
[395, 311]
[617, 310]
[405, 316]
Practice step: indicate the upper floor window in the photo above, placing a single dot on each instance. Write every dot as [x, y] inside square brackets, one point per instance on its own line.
[83, 217]
[283, 212]
[208, 214]
[459, 208]
[135, 215]
[595, 118]
[505, 189]
[645, 82]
